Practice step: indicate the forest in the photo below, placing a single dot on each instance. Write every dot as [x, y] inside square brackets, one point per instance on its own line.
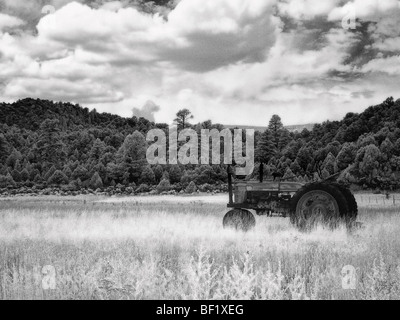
[46, 144]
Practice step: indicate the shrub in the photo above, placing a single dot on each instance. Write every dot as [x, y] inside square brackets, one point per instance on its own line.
[163, 186]
[143, 188]
[191, 188]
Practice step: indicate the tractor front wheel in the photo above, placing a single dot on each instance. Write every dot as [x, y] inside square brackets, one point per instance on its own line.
[239, 220]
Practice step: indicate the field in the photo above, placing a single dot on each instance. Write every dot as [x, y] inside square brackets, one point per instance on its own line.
[176, 248]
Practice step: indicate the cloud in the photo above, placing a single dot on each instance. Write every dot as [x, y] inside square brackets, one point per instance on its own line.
[307, 9]
[233, 61]
[389, 65]
[365, 9]
[147, 111]
[7, 21]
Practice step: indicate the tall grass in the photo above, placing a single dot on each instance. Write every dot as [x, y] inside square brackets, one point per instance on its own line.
[178, 250]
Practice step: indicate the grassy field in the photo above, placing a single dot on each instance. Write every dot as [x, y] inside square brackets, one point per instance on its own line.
[176, 248]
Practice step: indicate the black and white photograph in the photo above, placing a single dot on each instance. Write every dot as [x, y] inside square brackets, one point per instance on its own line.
[199, 154]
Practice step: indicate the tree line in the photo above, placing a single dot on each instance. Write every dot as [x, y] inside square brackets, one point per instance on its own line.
[46, 144]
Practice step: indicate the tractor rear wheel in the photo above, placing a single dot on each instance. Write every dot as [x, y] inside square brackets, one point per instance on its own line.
[351, 202]
[240, 220]
[318, 204]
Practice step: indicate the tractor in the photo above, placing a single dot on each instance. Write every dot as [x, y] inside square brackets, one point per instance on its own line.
[325, 202]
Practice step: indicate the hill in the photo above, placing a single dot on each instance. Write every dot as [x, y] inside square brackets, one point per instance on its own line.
[45, 143]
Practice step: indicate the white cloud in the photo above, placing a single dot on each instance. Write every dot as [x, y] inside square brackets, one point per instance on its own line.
[389, 65]
[228, 60]
[307, 9]
[365, 9]
[7, 21]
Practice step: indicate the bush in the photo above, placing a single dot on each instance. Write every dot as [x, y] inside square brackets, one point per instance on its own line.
[164, 186]
[143, 188]
[206, 188]
[191, 188]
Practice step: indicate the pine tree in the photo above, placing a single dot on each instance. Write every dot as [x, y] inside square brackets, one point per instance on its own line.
[49, 173]
[275, 127]
[295, 167]
[24, 175]
[191, 188]
[3, 148]
[96, 182]
[131, 156]
[58, 178]
[289, 175]
[97, 150]
[266, 148]
[49, 145]
[80, 172]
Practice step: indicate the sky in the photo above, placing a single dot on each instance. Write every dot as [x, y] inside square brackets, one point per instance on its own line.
[231, 61]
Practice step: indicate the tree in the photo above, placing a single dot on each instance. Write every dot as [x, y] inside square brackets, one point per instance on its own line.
[58, 178]
[97, 150]
[191, 188]
[175, 174]
[182, 118]
[81, 173]
[370, 161]
[329, 163]
[275, 126]
[387, 148]
[3, 148]
[289, 175]
[96, 182]
[131, 156]
[49, 173]
[24, 175]
[346, 156]
[163, 186]
[49, 145]
[7, 181]
[304, 157]
[158, 173]
[266, 148]
[147, 176]
[295, 167]
[13, 157]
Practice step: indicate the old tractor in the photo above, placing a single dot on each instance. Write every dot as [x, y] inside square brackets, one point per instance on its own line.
[325, 202]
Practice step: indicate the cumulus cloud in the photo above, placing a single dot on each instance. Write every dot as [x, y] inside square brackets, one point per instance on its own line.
[233, 61]
[7, 21]
[147, 111]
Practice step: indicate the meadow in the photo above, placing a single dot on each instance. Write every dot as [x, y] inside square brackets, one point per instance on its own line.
[175, 248]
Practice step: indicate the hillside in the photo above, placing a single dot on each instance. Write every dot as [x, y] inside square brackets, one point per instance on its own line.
[45, 143]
